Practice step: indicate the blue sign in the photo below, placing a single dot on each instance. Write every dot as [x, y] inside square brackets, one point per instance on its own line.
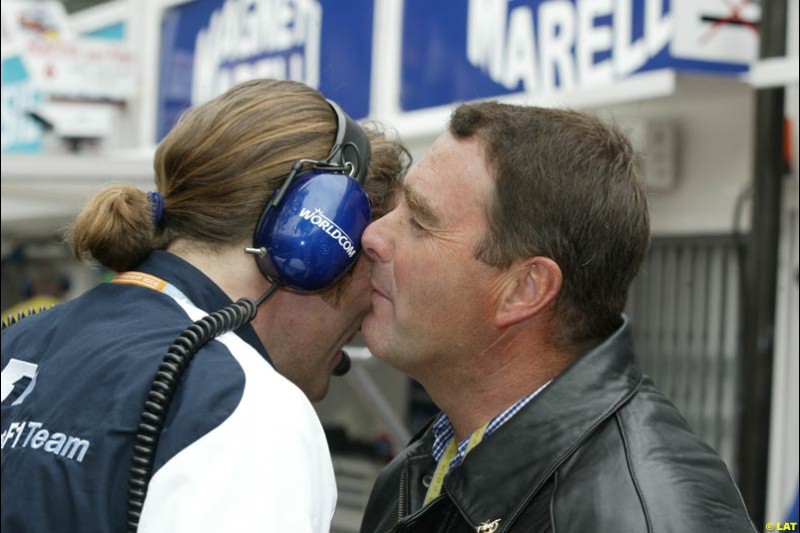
[210, 45]
[455, 50]
[112, 32]
[21, 134]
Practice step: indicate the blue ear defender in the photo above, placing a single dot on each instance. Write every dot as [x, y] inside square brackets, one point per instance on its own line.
[309, 234]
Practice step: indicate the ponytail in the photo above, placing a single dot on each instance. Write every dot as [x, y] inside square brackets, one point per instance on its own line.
[116, 228]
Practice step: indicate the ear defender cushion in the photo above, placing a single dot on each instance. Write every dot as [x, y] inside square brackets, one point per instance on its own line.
[315, 235]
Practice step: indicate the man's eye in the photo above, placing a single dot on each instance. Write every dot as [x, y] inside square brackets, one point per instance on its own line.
[415, 225]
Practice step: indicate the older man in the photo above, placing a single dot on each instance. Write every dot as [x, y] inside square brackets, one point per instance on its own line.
[499, 282]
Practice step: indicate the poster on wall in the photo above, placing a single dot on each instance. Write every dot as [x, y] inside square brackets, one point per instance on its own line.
[20, 132]
[24, 20]
[456, 50]
[46, 59]
[60, 62]
[207, 46]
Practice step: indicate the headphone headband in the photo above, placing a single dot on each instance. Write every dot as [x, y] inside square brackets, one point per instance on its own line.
[351, 147]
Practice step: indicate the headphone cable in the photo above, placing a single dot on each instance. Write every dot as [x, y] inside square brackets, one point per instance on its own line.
[166, 381]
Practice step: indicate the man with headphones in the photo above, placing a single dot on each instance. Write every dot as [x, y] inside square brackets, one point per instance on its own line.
[155, 404]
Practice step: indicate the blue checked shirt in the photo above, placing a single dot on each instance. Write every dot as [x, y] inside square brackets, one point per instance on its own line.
[443, 430]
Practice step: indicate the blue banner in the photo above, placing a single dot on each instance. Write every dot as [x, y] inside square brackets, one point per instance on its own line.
[21, 134]
[457, 50]
[207, 46]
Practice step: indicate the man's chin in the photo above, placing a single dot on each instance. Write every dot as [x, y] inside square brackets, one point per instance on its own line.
[318, 392]
[372, 337]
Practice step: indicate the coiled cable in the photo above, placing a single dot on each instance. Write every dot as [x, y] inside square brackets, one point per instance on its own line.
[162, 391]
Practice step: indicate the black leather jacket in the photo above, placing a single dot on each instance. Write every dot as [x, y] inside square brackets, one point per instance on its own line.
[599, 450]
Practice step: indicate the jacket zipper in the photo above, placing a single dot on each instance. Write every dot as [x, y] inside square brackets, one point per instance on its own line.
[402, 496]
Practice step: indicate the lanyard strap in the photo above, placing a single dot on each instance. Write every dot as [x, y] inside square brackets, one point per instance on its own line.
[443, 467]
[148, 281]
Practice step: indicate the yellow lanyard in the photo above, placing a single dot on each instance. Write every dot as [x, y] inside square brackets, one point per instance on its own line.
[444, 463]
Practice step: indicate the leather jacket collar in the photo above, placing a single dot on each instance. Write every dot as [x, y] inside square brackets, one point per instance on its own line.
[501, 475]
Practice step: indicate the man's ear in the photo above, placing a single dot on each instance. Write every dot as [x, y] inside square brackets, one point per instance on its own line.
[533, 286]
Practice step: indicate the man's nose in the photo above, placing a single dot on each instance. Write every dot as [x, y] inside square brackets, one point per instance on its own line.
[375, 241]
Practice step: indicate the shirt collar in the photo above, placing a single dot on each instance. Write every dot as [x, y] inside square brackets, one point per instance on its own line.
[204, 293]
[443, 430]
[535, 442]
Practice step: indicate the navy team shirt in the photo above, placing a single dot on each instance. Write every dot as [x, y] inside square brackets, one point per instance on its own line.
[75, 379]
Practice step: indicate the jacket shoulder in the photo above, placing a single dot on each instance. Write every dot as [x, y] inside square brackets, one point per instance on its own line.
[643, 469]
[682, 481]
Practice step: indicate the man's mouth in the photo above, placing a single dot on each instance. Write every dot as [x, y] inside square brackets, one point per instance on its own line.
[377, 292]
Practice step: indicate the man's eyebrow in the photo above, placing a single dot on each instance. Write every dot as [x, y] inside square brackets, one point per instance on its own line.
[420, 207]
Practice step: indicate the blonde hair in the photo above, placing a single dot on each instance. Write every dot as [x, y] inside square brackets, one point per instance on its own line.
[217, 168]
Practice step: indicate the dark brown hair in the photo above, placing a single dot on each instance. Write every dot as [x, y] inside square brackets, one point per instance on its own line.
[567, 188]
[217, 168]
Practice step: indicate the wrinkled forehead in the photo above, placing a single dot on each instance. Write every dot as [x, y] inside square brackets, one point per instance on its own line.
[453, 178]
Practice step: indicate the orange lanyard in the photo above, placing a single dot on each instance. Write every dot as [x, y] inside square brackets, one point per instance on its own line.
[148, 281]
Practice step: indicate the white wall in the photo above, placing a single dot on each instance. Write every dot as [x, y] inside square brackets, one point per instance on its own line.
[714, 120]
